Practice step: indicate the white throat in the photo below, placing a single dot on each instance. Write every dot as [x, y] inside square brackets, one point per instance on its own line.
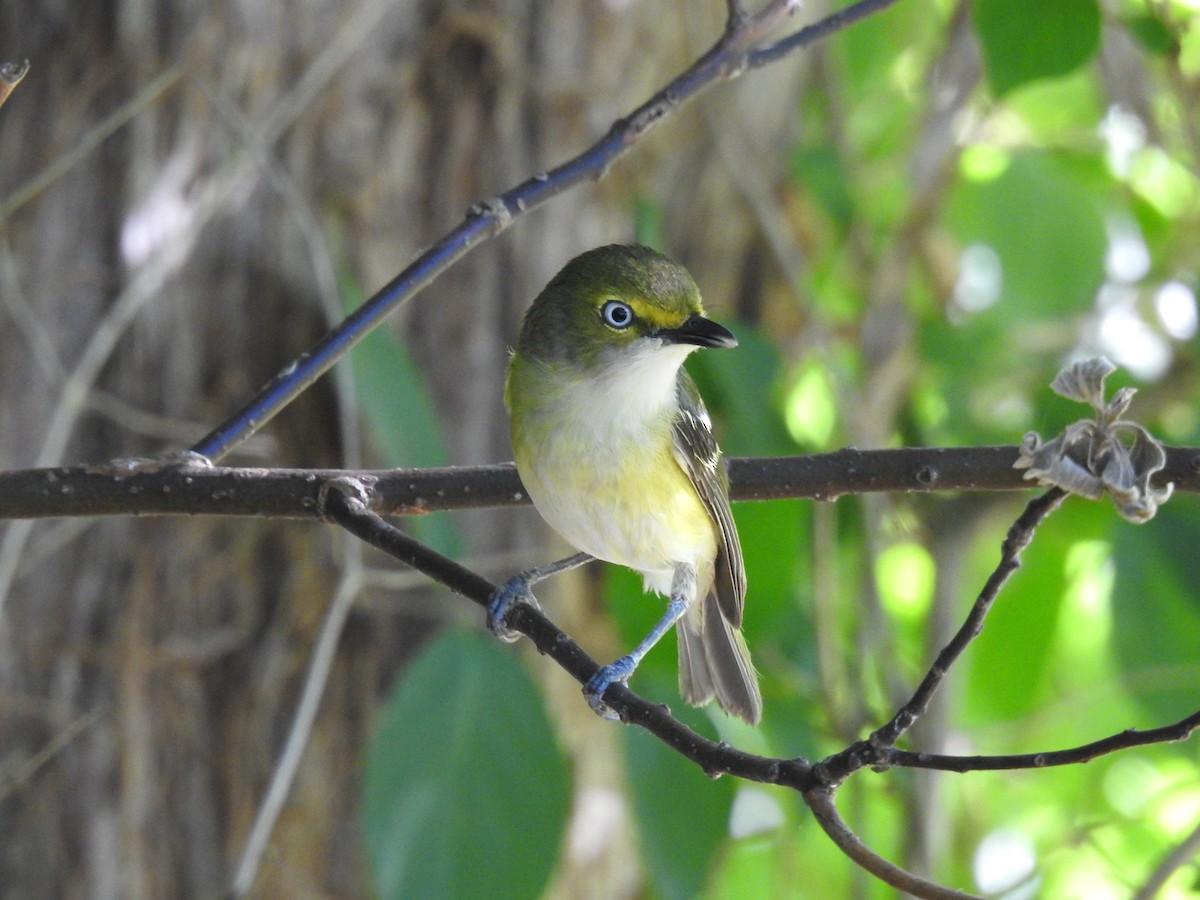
[634, 389]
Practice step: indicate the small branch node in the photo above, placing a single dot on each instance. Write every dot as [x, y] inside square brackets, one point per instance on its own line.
[353, 491]
[12, 73]
[493, 208]
[926, 476]
[10, 76]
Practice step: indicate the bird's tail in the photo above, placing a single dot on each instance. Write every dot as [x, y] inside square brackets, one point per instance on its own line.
[715, 662]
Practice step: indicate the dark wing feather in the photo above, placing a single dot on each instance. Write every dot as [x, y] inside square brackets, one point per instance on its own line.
[699, 456]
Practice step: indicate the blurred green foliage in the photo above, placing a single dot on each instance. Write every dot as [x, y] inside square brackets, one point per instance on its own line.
[447, 781]
[1058, 216]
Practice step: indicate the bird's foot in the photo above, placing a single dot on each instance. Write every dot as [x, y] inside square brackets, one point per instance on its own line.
[515, 590]
[595, 687]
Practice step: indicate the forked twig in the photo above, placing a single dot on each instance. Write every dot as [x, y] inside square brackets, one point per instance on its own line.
[347, 502]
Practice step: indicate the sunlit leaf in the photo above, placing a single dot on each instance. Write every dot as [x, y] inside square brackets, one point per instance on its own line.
[1046, 229]
[1037, 224]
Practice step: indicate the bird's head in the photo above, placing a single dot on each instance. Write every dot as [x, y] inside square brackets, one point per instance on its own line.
[616, 302]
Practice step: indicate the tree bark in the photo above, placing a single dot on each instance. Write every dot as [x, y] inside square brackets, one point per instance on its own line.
[149, 668]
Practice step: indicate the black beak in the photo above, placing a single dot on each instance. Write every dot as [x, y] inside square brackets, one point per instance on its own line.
[699, 331]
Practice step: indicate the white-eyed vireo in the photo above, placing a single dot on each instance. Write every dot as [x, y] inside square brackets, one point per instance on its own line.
[616, 450]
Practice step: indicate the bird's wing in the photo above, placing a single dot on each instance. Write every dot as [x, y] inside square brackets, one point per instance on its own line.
[698, 455]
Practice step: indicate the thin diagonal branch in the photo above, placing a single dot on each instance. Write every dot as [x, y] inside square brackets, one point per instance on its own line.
[818, 31]
[728, 58]
[873, 751]
[1018, 538]
[820, 801]
[1186, 852]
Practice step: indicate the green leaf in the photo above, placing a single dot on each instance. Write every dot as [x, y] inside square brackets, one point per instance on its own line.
[1156, 610]
[682, 816]
[466, 791]
[1153, 34]
[1026, 40]
[401, 421]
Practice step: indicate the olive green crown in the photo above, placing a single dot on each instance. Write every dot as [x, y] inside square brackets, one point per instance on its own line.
[565, 324]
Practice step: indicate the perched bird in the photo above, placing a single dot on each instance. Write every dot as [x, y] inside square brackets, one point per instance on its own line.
[616, 451]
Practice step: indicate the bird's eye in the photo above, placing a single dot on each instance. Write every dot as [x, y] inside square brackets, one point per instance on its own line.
[616, 314]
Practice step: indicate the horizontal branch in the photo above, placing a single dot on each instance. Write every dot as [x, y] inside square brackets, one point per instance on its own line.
[1131, 737]
[156, 487]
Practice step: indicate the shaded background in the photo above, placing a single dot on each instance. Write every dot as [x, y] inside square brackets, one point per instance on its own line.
[911, 238]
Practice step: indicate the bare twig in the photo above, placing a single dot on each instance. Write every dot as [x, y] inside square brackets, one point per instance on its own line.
[820, 801]
[736, 14]
[1131, 737]
[874, 750]
[39, 760]
[818, 31]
